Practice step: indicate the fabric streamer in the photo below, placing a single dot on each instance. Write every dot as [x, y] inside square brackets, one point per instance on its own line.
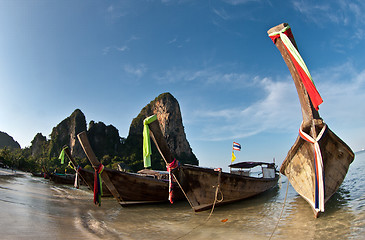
[98, 190]
[233, 157]
[77, 178]
[146, 141]
[299, 64]
[62, 156]
[171, 166]
[318, 163]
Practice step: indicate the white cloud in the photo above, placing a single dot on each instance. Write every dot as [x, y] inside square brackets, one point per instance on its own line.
[172, 40]
[108, 49]
[132, 38]
[341, 87]
[114, 12]
[207, 76]
[137, 71]
[339, 12]
[122, 48]
[110, 9]
[343, 91]
[276, 110]
[239, 2]
[221, 13]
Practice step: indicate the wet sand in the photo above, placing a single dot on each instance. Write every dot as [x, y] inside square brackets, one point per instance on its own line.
[35, 208]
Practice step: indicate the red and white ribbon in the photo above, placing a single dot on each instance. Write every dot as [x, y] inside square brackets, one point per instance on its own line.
[299, 64]
[319, 206]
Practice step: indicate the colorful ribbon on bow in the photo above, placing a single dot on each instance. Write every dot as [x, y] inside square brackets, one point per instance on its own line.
[299, 64]
[318, 167]
[171, 166]
[98, 189]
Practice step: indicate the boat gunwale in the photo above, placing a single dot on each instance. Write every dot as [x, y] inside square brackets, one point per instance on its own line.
[136, 175]
[229, 175]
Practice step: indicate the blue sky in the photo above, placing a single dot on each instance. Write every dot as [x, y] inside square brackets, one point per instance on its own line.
[111, 58]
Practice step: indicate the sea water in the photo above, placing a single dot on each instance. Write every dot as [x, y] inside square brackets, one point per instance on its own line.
[35, 208]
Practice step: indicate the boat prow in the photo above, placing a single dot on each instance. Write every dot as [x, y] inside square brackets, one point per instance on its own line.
[318, 162]
[300, 169]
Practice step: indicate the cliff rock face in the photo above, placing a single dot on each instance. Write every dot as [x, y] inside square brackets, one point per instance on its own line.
[103, 139]
[65, 133]
[167, 109]
[7, 141]
[38, 143]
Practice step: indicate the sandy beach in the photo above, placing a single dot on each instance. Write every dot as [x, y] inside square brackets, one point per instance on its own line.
[8, 171]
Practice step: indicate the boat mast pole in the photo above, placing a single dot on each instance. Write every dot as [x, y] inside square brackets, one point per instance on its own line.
[230, 168]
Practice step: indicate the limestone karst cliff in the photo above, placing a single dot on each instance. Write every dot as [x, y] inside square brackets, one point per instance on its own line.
[65, 133]
[7, 141]
[167, 109]
[105, 139]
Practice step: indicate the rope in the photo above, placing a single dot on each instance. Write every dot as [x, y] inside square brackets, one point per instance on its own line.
[282, 210]
[216, 194]
[211, 212]
[186, 196]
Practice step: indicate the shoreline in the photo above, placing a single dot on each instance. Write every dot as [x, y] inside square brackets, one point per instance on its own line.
[9, 172]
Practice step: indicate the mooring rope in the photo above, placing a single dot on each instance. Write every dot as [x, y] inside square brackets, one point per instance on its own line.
[282, 210]
[216, 194]
[186, 196]
[211, 211]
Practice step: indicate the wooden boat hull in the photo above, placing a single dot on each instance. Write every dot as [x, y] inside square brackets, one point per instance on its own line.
[88, 177]
[35, 174]
[317, 164]
[62, 179]
[299, 165]
[137, 189]
[200, 186]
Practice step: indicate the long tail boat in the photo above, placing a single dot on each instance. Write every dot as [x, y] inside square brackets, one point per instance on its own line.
[62, 178]
[318, 162]
[132, 188]
[206, 188]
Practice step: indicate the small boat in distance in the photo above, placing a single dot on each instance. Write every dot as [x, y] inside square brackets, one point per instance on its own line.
[62, 178]
[206, 188]
[318, 162]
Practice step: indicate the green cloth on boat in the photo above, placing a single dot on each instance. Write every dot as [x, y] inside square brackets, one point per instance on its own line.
[62, 156]
[146, 141]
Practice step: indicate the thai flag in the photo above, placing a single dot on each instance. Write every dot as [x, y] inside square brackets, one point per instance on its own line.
[236, 146]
